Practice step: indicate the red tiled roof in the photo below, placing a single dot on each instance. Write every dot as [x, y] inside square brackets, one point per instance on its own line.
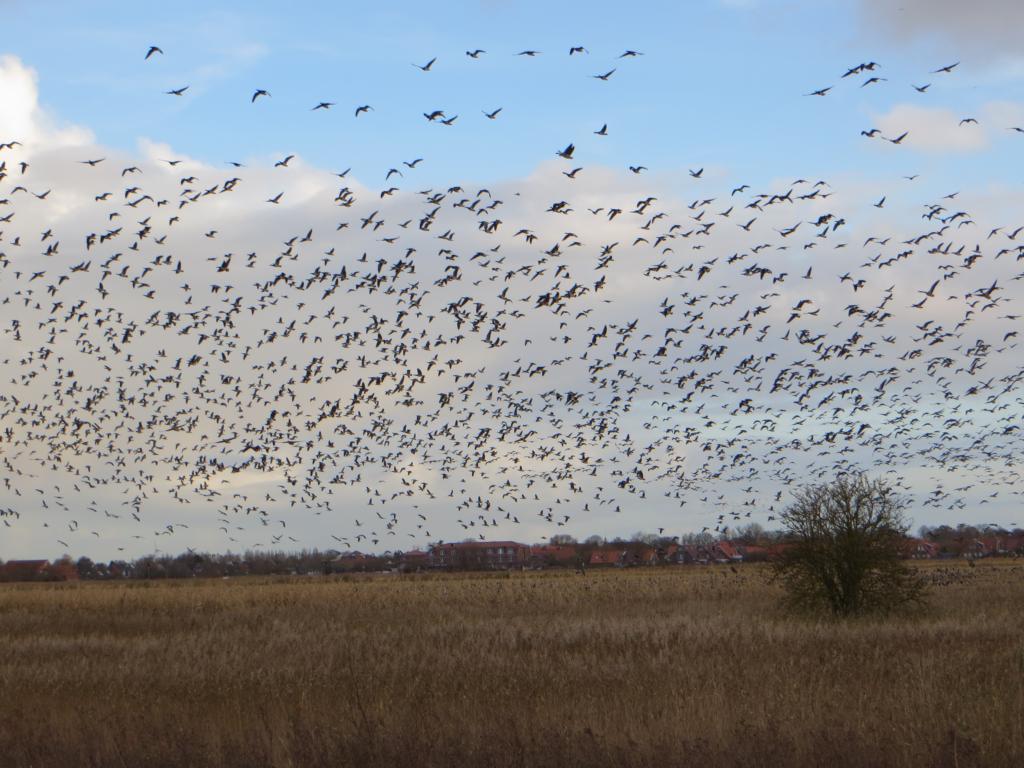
[14, 567]
[605, 556]
[557, 552]
[645, 555]
[63, 571]
[728, 550]
[24, 569]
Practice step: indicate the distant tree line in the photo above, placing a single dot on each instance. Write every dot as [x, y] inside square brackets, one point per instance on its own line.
[962, 540]
[219, 565]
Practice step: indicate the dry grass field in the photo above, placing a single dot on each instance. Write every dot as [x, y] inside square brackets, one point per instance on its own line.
[666, 667]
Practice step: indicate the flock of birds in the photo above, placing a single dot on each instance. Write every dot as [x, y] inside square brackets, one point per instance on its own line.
[476, 360]
[434, 115]
[872, 66]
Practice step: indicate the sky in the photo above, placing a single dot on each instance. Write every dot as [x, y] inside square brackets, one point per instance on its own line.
[717, 97]
[720, 84]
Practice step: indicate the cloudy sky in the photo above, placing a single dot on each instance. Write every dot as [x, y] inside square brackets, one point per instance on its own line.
[104, 456]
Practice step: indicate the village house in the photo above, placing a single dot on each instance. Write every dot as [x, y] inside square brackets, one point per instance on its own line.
[349, 561]
[994, 546]
[755, 553]
[607, 557]
[714, 552]
[976, 548]
[414, 560]
[38, 570]
[919, 549]
[1006, 545]
[554, 555]
[642, 556]
[726, 552]
[479, 555]
[693, 554]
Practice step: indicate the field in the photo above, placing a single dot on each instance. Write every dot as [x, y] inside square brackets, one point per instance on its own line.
[666, 667]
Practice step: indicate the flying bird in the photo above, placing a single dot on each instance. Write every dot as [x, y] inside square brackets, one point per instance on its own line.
[324, 350]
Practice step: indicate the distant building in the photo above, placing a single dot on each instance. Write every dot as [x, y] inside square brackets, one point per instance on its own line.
[62, 570]
[640, 556]
[350, 561]
[605, 557]
[547, 555]
[726, 552]
[694, 554]
[1005, 545]
[475, 555]
[414, 560]
[919, 549]
[669, 554]
[759, 553]
[994, 546]
[38, 570]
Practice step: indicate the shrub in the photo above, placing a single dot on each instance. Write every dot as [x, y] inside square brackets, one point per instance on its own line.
[844, 550]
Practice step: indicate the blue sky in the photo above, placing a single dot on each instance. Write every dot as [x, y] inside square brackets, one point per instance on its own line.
[721, 84]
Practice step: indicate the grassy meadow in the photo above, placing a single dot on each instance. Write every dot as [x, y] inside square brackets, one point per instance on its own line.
[645, 667]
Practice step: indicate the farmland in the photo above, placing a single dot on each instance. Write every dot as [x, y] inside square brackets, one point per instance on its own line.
[659, 666]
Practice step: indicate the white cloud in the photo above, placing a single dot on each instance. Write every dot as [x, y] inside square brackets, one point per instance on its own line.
[932, 129]
[22, 119]
[941, 130]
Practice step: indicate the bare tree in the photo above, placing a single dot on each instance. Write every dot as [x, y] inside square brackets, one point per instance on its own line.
[844, 549]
